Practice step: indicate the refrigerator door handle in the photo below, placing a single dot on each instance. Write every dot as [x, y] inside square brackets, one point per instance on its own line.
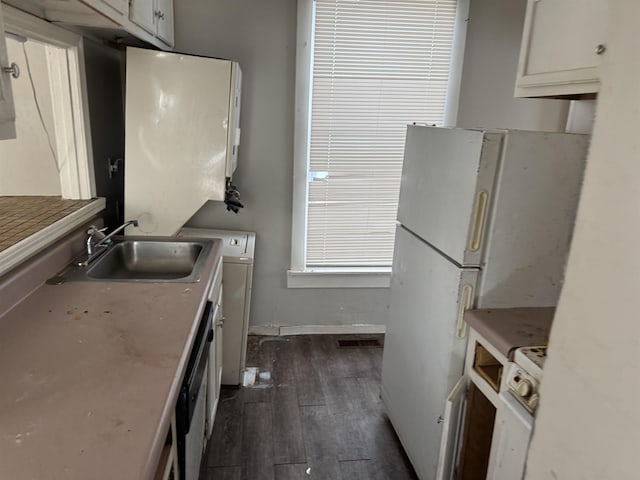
[478, 220]
[466, 297]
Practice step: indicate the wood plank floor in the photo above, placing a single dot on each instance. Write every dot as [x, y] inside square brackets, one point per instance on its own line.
[318, 417]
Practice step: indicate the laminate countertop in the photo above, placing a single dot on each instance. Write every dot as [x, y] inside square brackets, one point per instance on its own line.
[89, 376]
[510, 328]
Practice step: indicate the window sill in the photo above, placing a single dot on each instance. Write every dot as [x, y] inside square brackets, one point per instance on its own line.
[374, 277]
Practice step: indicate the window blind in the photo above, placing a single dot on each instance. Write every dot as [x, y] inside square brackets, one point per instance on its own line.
[378, 65]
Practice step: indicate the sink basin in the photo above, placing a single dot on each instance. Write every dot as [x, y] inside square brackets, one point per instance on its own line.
[145, 259]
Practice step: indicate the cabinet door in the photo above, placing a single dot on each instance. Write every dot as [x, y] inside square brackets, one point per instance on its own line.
[219, 341]
[213, 370]
[164, 19]
[143, 14]
[562, 45]
[235, 291]
[120, 6]
[451, 429]
[510, 442]
[7, 110]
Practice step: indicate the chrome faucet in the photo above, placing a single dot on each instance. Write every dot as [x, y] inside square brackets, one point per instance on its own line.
[95, 248]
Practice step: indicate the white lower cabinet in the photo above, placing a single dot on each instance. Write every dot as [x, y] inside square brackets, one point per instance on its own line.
[510, 442]
[486, 431]
[214, 370]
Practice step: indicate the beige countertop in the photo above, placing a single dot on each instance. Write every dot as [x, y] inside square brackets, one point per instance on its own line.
[510, 328]
[89, 376]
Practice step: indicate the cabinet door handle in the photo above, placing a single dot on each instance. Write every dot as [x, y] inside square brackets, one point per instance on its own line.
[13, 69]
[600, 49]
[159, 14]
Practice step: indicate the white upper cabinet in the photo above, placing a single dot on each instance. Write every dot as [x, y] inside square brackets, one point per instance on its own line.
[147, 20]
[142, 13]
[120, 6]
[164, 19]
[562, 45]
[7, 110]
[155, 16]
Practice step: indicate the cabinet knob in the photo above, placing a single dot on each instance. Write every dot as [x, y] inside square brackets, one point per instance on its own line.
[160, 14]
[601, 48]
[13, 69]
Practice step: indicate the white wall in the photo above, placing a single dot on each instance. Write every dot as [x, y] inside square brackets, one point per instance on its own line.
[588, 424]
[27, 164]
[494, 33]
[262, 37]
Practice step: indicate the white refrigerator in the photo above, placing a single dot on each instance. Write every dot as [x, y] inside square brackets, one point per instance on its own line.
[182, 115]
[485, 220]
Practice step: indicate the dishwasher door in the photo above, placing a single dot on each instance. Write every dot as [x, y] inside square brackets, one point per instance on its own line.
[194, 440]
[191, 404]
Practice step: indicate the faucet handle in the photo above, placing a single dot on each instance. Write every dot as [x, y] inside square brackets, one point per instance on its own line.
[93, 230]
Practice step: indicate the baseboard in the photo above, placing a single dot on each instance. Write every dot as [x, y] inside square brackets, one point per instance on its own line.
[268, 330]
[272, 330]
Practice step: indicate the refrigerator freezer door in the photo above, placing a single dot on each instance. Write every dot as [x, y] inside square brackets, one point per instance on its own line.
[447, 183]
[423, 357]
[177, 119]
[535, 205]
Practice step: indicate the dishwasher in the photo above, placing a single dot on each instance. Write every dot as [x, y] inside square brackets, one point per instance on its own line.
[191, 404]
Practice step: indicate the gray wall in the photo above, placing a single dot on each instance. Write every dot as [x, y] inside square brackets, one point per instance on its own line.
[261, 36]
[494, 32]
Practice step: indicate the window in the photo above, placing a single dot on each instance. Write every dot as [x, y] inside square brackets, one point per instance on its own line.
[366, 69]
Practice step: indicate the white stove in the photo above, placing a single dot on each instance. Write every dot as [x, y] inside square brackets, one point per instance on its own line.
[525, 375]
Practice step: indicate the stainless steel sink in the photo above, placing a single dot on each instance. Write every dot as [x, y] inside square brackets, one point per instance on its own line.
[146, 259]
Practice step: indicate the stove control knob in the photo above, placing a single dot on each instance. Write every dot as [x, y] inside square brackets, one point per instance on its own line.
[525, 388]
[533, 401]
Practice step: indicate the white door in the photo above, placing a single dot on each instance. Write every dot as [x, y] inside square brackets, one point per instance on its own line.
[452, 429]
[423, 357]
[7, 110]
[447, 181]
[510, 443]
[177, 113]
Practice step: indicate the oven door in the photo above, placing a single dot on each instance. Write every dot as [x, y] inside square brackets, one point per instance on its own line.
[510, 443]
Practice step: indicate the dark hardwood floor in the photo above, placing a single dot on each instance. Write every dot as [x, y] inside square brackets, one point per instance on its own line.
[318, 417]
